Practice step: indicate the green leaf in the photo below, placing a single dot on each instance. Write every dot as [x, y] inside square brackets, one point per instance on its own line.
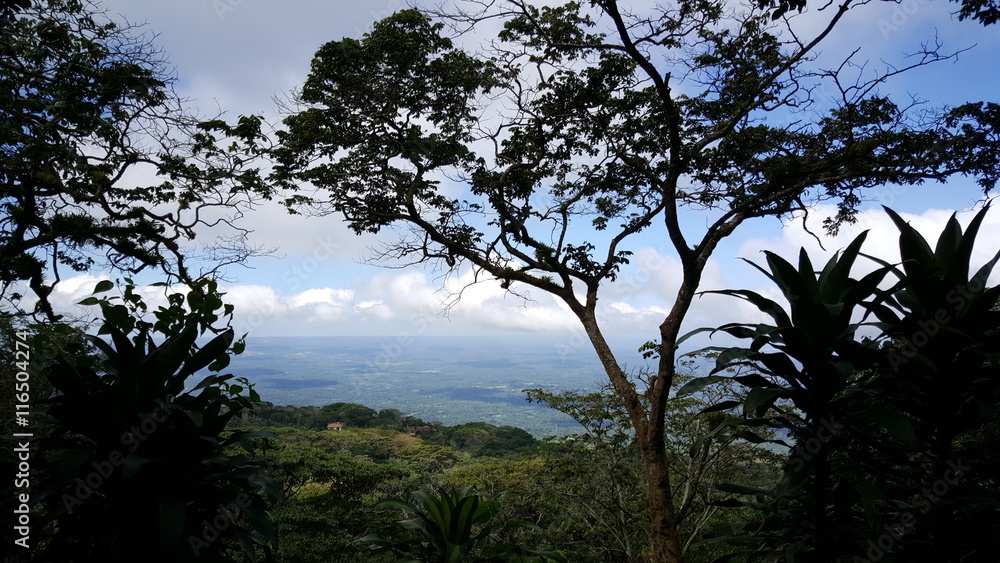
[721, 406]
[963, 254]
[133, 463]
[171, 518]
[759, 399]
[209, 353]
[103, 286]
[948, 244]
[780, 365]
[765, 305]
[735, 489]
[792, 283]
[895, 423]
[698, 384]
[836, 274]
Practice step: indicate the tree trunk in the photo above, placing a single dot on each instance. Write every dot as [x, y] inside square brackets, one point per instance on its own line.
[664, 544]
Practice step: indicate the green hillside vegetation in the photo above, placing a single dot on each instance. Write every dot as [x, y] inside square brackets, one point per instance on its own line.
[583, 491]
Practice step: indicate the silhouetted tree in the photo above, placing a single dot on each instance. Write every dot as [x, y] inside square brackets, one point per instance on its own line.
[86, 108]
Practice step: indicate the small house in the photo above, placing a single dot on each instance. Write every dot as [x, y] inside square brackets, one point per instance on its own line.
[335, 426]
[416, 430]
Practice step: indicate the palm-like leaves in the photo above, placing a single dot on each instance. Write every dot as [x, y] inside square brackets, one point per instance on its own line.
[899, 409]
[817, 354]
[175, 468]
[449, 527]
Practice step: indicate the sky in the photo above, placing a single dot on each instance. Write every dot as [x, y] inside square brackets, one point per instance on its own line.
[239, 55]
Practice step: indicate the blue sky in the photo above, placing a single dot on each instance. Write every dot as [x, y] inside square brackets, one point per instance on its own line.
[238, 54]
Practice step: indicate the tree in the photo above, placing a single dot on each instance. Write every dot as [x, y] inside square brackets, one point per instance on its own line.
[87, 111]
[579, 127]
[352, 414]
[483, 438]
[602, 466]
[593, 478]
[328, 502]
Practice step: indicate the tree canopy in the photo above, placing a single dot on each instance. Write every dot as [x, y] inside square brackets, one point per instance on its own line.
[101, 157]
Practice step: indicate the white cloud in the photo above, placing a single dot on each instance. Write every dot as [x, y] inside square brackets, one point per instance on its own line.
[77, 287]
[882, 240]
[325, 296]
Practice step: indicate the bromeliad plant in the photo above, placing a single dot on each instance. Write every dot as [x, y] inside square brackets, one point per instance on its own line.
[807, 369]
[942, 371]
[875, 422]
[142, 466]
[454, 526]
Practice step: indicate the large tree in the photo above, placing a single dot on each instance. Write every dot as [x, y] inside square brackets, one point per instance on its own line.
[578, 127]
[100, 161]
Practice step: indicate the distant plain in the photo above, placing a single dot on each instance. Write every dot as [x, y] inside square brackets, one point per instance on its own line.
[452, 380]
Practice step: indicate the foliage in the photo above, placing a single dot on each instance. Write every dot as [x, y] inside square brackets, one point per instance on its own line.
[597, 474]
[350, 413]
[876, 422]
[310, 530]
[268, 414]
[483, 438]
[594, 479]
[85, 105]
[450, 526]
[429, 458]
[579, 126]
[329, 501]
[141, 465]
[940, 370]
[986, 12]
[809, 388]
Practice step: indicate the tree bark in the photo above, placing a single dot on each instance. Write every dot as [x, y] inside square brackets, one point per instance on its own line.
[664, 544]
